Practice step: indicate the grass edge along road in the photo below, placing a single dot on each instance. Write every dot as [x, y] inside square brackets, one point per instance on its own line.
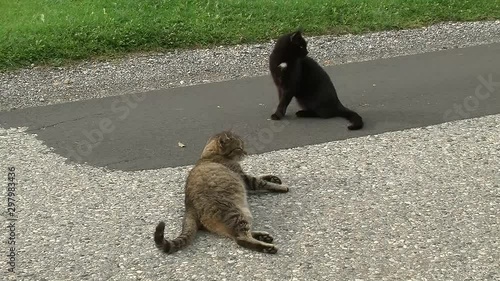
[59, 32]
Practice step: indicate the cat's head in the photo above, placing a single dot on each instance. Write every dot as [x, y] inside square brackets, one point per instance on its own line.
[294, 44]
[227, 144]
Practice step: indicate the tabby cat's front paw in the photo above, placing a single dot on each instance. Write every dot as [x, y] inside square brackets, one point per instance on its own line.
[283, 189]
[271, 178]
[262, 236]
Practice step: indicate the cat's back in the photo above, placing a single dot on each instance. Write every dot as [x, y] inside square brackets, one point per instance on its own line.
[314, 78]
[212, 187]
[313, 69]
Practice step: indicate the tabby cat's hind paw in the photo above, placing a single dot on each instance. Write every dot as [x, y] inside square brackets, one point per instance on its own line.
[271, 178]
[252, 243]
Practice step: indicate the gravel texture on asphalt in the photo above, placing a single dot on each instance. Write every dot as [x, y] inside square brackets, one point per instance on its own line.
[139, 73]
[420, 204]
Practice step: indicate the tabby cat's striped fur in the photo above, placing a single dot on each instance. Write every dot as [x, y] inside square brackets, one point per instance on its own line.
[216, 198]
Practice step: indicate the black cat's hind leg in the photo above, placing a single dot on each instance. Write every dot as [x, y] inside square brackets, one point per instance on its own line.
[306, 114]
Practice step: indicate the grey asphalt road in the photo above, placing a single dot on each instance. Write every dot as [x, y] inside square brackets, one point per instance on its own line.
[420, 204]
[410, 197]
[136, 132]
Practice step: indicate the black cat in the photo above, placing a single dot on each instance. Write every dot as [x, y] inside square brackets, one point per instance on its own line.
[297, 75]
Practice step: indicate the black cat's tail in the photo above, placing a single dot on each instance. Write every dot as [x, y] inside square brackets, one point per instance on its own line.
[189, 229]
[353, 117]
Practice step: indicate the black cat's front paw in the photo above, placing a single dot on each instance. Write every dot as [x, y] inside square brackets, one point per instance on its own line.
[305, 113]
[300, 113]
[271, 178]
[275, 117]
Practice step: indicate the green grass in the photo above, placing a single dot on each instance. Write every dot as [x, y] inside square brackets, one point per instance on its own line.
[60, 31]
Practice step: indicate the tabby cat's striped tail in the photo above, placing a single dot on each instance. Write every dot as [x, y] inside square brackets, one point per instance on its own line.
[189, 229]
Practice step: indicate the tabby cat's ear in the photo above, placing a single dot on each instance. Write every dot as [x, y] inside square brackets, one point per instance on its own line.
[222, 140]
[220, 143]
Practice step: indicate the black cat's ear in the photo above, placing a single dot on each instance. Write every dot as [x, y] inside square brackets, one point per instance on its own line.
[296, 34]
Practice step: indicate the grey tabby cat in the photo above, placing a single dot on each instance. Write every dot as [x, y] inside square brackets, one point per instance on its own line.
[216, 198]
